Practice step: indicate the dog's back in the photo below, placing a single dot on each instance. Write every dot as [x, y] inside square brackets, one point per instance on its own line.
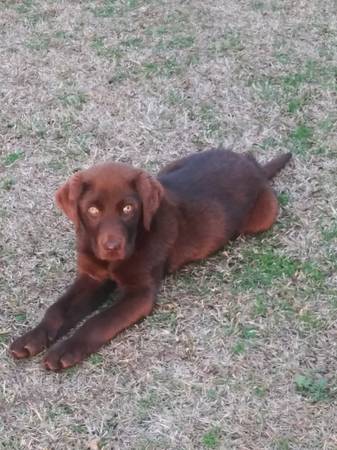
[219, 194]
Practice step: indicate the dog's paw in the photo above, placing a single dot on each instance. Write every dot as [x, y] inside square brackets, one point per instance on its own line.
[64, 354]
[31, 343]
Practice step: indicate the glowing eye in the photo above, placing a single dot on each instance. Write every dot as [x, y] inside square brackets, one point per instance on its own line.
[93, 211]
[127, 209]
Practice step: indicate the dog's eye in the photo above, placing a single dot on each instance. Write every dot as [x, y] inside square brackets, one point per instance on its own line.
[127, 209]
[93, 211]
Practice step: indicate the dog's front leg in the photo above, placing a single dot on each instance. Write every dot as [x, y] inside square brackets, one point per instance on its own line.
[82, 297]
[136, 303]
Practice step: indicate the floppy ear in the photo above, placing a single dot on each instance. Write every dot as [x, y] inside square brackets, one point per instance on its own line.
[151, 192]
[66, 196]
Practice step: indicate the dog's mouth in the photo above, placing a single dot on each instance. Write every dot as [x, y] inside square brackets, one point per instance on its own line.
[111, 255]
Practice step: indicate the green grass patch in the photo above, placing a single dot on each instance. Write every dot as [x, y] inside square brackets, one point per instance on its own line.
[39, 42]
[282, 444]
[239, 347]
[113, 53]
[209, 119]
[21, 317]
[330, 233]
[310, 321]
[11, 158]
[301, 138]
[132, 42]
[249, 332]
[260, 307]
[107, 9]
[96, 359]
[163, 319]
[112, 8]
[177, 42]
[211, 439]
[283, 198]
[25, 6]
[313, 388]
[260, 391]
[7, 184]
[260, 269]
[75, 100]
[297, 103]
[230, 41]
[162, 68]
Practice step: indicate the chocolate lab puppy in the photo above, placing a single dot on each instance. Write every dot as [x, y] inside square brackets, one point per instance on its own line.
[132, 229]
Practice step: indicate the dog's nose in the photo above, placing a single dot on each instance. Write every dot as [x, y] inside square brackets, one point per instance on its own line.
[112, 245]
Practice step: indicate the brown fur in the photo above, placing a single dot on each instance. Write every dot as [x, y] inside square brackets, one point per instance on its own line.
[132, 229]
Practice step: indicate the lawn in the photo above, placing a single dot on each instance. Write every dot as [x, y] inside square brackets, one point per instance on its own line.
[240, 352]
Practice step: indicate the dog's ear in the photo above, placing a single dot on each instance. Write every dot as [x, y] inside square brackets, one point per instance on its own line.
[151, 193]
[67, 195]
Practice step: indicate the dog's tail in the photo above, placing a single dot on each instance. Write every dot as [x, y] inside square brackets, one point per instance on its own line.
[275, 165]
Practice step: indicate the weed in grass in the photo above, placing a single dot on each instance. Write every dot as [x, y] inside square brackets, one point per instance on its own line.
[78, 428]
[282, 57]
[301, 138]
[283, 198]
[132, 42]
[212, 394]
[165, 68]
[25, 6]
[260, 391]
[249, 332]
[310, 321]
[296, 104]
[75, 100]
[211, 439]
[266, 89]
[328, 124]
[258, 5]
[38, 42]
[260, 307]
[261, 269]
[11, 158]
[108, 9]
[62, 35]
[313, 388]
[228, 42]
[113, 53]
[313, 273]
[330, 233]
[7, 184]
[175, 98]
[287, 308]
[239, 348]
[164, 319]
[178, 42]
[145, 404]
[209, 120]
[61, 409]
[96, 359]
[4, 337]
[281, 444]
[111, 8]
[21, 317]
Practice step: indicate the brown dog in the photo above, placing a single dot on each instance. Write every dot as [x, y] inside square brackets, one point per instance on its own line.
[132, 229]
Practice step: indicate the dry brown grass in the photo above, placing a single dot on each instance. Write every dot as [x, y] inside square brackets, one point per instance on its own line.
[241, 352]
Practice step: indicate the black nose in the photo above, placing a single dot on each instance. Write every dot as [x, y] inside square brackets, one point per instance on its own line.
[112, 245]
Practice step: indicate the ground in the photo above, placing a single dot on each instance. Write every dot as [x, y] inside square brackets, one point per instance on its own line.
[240, 352]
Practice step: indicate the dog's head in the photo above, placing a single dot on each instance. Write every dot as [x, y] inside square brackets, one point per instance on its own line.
[108, 203]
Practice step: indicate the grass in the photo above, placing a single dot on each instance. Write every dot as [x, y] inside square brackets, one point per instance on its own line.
[315, 389]
[240, 351]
